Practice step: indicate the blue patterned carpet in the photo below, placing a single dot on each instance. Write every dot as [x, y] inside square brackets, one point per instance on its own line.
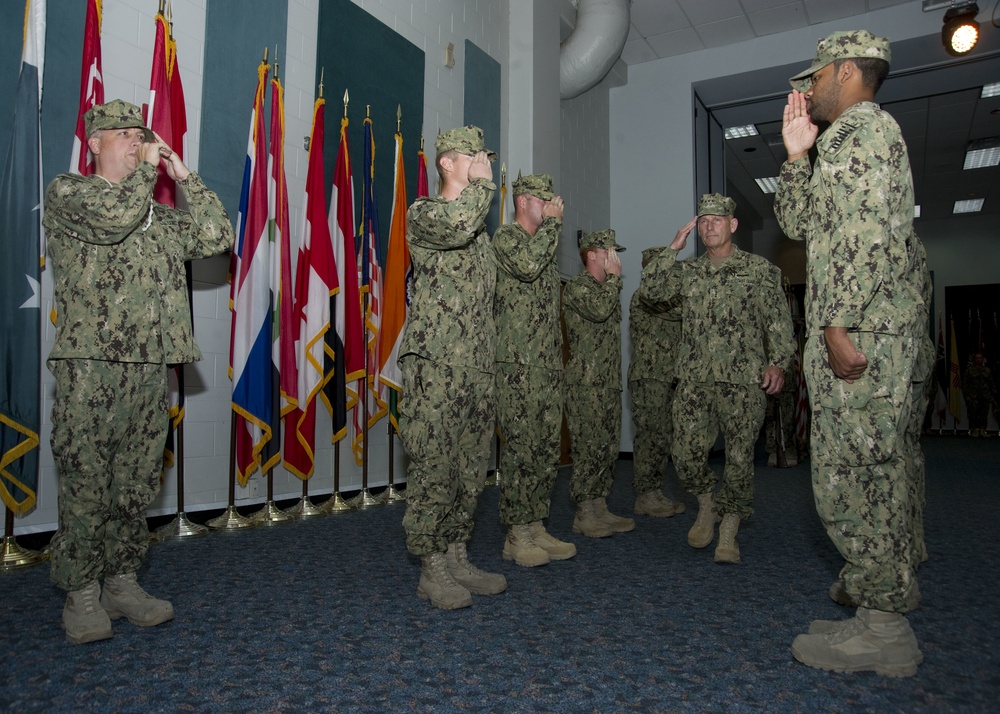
[321, 615]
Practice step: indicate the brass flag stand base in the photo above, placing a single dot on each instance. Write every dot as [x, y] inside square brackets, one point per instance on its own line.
[270, 515]
[14, 557]
[305, 509]
[180, 527]
[336, 504]
[393, 495]
[231, 520]
[366, 499]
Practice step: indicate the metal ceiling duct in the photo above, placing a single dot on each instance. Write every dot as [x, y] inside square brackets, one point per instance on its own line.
[594, 46]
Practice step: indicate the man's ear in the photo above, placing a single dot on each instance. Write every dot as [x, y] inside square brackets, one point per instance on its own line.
[94, 143]
[732, 225]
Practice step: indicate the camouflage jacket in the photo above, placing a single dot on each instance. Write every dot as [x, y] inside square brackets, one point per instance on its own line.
[450, 318]
[118, 265]
[655, 331]
[921, 277]
[854, 209]
[593, 316]
[736, 320]
[526, 306]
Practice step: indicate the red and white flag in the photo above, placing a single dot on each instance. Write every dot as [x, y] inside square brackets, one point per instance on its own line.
[91, 87]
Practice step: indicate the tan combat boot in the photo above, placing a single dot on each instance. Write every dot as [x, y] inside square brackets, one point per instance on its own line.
[880, 642]
[83, 618]
[616, 523]
[587, 523]
[469, 576]
[728, 550]
[557, 549]
[703, 531]
[521, 548]
[123, 597]
[437, 585]
[654, 503]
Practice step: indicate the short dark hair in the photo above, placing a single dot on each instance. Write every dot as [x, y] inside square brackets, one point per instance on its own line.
[873, 70]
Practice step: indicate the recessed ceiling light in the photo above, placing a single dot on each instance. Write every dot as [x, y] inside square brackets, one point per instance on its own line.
[990, 90]
[916, 211]
[971, 206]
[740, 132]
[768, 185]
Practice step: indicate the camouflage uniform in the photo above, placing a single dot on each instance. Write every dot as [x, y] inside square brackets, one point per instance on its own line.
[855, 210]
[446, 414]
[735, 324]
[592, 314]
[123, 314]
[655, 331]
[529, 368]
[979, 391]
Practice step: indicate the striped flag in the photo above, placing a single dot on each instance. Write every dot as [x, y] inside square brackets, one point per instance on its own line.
[20, 299]
[91, 87]
[397, 291]
[345, 348]
[421, 174]
[371, 284]
[315, 282]
[284, 384]
[250, 350]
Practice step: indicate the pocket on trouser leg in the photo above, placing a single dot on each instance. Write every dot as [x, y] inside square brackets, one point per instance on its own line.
[864, 420]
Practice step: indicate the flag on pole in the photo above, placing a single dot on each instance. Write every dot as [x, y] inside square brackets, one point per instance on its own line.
[91, 87]
[20, 270]
[345, 346]
[955, 388]
[315, 282]
[250, 349]
[166, 115]
[396, 301]
[284, 382]
[371, 284]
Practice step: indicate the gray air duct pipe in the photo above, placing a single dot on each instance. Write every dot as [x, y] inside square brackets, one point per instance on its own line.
[594, 46]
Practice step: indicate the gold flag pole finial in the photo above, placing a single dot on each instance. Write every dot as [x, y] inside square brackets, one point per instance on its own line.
[264, 61]
[322, 71]
[503, 174]
[368, 111]
[275, 61]
[399, 116]
[346, 100]
[160, 11]
[421, 141]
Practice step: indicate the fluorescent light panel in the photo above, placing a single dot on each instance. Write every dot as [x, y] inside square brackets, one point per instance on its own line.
[990, 90]
[740, 132]
[981, 158]
[971, 206]
[768, 185]
[916, 211]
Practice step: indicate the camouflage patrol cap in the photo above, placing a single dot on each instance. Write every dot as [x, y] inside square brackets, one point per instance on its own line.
[466, 140]
[116, 114]
[600, 239]
[842, 45]
[715, 204]
[537, 185]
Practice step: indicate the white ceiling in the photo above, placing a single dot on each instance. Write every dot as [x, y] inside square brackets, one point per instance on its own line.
[662, 28]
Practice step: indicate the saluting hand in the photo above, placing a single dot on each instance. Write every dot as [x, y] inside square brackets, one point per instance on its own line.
[481, 167]
[553, 208]
[680, 240]
[613, 264]
[797, 128]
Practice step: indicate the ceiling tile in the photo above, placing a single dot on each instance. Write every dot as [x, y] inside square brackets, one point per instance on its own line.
[700, 12]
[676, 43]
[824, 10]
[779, 19]
[725, 32]
[656, 18]
[637, 52]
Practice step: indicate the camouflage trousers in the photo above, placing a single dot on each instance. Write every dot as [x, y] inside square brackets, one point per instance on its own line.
[862, 481]
[529, 412]
[922, 392]
[109, 426]
[701, 411]
[446, 422]
[594, 418]
[652, 401]
[782, 404]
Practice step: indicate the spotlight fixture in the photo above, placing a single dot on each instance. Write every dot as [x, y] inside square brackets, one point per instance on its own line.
[961, 31]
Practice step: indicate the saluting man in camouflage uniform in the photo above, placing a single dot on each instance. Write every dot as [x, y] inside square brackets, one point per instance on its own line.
[854, 208]
[592, 313]
[446, 417]
[529, 369]
[736, 345]
[655, 331]
[122, 311]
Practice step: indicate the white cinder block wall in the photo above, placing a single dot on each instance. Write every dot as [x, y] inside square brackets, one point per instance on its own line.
[127, 41]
